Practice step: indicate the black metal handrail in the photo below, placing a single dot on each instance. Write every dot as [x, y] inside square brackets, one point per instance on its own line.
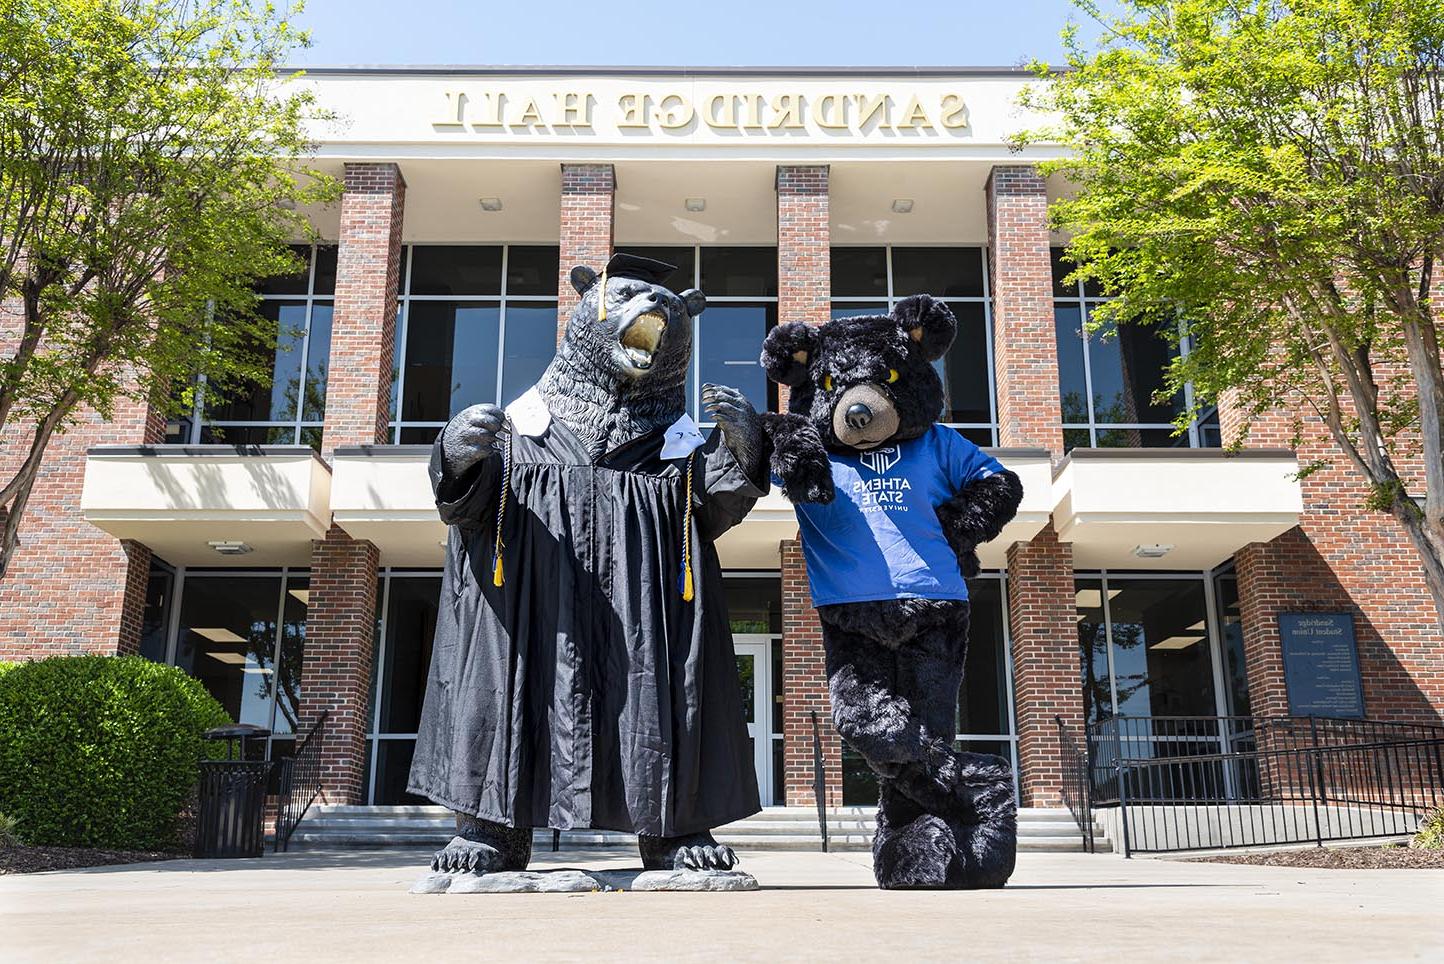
[1199, 783]
[299, 782]
[1077, 795]
[819, 786]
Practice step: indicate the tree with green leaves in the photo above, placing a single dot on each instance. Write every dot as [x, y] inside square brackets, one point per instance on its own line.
[1272, 172]
[152, 166]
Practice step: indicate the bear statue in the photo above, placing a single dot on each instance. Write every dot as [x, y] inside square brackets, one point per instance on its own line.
[891, 507]
[583, 674]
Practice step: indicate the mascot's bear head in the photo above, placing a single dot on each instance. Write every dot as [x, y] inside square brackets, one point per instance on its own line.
[866, 380]
[640, 332]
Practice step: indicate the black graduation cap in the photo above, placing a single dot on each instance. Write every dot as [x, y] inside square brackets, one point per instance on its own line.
[622, 265]
[649, 270]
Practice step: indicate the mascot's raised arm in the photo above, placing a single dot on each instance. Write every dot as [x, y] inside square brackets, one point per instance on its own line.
[891, 508]
[583, 674]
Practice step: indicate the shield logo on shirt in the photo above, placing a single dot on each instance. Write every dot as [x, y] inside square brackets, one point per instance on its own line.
[880, 460]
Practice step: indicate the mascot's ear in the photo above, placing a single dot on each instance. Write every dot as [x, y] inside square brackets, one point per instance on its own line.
[928, 322]
[695, 301]
[583, 278]
[787, 352]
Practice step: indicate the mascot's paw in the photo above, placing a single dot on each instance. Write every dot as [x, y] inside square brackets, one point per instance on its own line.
[741, 428]
[463, 856]
[919, 855]
[698, 851]
[799, 459]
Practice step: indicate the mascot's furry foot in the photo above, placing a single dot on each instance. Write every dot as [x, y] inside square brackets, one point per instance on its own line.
[695, 851]
[973, 848]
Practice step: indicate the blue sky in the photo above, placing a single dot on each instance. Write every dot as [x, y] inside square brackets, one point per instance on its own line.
[730, 32]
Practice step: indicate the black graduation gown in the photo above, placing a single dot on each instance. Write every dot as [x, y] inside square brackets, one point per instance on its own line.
[584, 692]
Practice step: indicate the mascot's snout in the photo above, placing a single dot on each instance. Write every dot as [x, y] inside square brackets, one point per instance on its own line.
[864, 416]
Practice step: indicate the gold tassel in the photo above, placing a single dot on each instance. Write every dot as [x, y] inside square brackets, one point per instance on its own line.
[687, 588]
[497, 578]
[687, 585]
[602, 296]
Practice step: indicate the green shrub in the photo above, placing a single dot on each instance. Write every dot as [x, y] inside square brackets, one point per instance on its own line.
[1431, 832]
[9, 832]
[100, 751]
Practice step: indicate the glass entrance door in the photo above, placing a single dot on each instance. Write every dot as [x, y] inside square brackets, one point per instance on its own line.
[754, 665]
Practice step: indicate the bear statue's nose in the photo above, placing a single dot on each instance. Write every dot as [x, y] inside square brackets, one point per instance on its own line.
[858, 415]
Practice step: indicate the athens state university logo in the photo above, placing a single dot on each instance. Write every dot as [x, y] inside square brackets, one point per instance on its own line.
[880, 460]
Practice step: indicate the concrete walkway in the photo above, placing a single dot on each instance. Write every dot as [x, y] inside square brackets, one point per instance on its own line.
[354, 907]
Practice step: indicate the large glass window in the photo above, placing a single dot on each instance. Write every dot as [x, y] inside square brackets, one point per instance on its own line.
[243, 634]
[477, 323]
[871, 280]
[1109, 380]
[1145, 646]
[290, 408]
[985, 720]
[741, 288]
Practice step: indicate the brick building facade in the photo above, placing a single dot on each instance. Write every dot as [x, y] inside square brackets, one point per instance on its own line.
[1105, 597]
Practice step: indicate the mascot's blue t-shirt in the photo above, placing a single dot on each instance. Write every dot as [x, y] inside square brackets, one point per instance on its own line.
[880, 538]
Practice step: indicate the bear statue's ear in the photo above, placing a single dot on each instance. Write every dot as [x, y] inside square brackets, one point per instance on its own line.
[695, 302]
[928, 322]
[788, 350]
[583, 278]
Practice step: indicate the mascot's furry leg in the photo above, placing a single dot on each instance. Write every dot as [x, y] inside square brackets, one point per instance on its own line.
[945, 819]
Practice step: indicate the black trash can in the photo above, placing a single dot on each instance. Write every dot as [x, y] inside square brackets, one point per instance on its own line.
[232, 803]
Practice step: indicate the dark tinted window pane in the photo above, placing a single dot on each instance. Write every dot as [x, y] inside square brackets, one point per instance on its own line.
[293, 645]
[683, 257]
[978, 436]
[983, 703]
[965, 368]
[859, 272]
[777, 696]
[450, 359]
[393, 766]
[398, 349]
[1160, 648]
[410, 626]
[730, 339]
[1076, 438]
[454, 269]
[248, 435]
[1210, 435]
[1140, 438]
[945, 272]
[1072, 386]
[311, 437]
[1061, 268]
[419, 436]
[325, 283]
[531, 270]
[1128, 366]
[852, 311]
[155, 617]
[754, 604]
[277, 401]
[1231, 623]
[739, 272]
[1093, 651]
[290, 284]
[318, 356]
[227, 640]
[531, 342]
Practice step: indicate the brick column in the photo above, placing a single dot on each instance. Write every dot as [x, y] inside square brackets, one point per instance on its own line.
[803, 289]
[804, 690]
[72, 588]
[1041, 608]
[341, 616]
[589, 194]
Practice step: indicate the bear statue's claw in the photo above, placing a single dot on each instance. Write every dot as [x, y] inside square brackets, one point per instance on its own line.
[463, 856]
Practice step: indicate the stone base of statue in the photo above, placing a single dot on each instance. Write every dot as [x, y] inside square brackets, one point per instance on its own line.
[569, 881]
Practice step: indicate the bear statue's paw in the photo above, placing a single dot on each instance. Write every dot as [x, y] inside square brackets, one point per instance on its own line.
[698, 851]
[463, 856]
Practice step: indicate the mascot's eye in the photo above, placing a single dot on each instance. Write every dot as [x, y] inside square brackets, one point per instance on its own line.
[827, 383]
[892, 375]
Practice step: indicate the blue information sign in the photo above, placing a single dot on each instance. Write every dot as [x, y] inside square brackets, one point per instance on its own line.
[1321, 664]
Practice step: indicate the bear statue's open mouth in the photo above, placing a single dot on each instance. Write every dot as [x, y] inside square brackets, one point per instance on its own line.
[641, 338]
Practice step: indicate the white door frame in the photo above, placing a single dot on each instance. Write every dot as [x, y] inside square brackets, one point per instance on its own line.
[759, 647]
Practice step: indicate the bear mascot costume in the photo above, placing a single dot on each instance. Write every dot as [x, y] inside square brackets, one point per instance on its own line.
[583, 674]
[891, 508]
